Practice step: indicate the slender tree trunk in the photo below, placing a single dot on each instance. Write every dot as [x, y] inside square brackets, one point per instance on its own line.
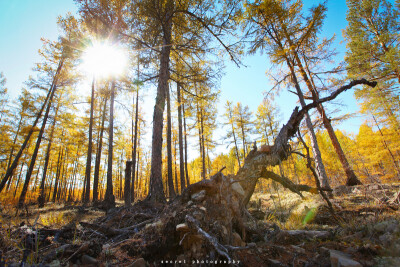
[186, 158]
[35, 183]
[351, 176]
[320, 168]
[156, 192]
[120, 193]
[181, 159]
[234, 138]
[175, 169]
[127, 189]
[135, 141]
[51, 182]
[243, 137]
[12, 150]
[132, 177]
[137, 165]
[17, 157]
[62, 178]
[73, 180]
[60, 154]
[266, 131]
[169, 150]
[98, 154]
[35, 152]
[109, 197]
[387, 147]
[41, 198]
[203, 173]
[19, 178]
[200, 142]
[86, 196]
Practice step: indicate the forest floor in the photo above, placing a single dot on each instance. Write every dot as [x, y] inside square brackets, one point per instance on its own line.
[284, 230]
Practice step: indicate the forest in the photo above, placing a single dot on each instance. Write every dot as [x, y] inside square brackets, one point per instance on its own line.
[92, 180]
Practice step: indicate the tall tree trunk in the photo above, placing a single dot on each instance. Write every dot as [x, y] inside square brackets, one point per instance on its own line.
[137, 165]
[156, 192]
[181, 159]
[19, 178]
[234, 137]
[186, 158]
[127, 189]
[320, 168]
[86, 197]
[169, 150]
[175, 169]
[12, 150]
[41, 198]
[243, 138]
[120, 193]
[109, 197]
[203, 150]
[51, 182]
[62, 175]
[18, 156]
[98, 154]
[135, 140]
[38, 142]
[56, 182]
[200, 142]
[351, 176]
[73, 180]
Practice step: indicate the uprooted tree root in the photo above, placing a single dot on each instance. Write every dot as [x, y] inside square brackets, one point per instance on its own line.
[207, 222]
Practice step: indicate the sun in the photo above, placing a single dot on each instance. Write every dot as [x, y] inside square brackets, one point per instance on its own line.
[104, 59]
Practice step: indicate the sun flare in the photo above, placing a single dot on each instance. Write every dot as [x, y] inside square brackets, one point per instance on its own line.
[104, 59]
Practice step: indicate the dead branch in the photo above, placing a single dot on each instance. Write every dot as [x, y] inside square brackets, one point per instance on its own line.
[108, 231]
[324, 196]
[221, 250]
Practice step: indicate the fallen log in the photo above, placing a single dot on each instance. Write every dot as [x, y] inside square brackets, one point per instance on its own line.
[256, 162]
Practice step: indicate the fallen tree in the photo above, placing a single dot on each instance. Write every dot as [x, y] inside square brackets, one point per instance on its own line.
[256, 162]
[209, 221]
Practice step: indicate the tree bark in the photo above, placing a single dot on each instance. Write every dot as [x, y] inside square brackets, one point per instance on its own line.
[186, 160]
[135, 141]
[351, 176]
[109, 198]
[41, 198]
[86, 197]
[98, 154]
[156, 192]
[181, 159]
[170, 178]
[56, 182]
[203, 150]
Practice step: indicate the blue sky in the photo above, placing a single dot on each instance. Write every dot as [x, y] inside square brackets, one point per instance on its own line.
[24, 22]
